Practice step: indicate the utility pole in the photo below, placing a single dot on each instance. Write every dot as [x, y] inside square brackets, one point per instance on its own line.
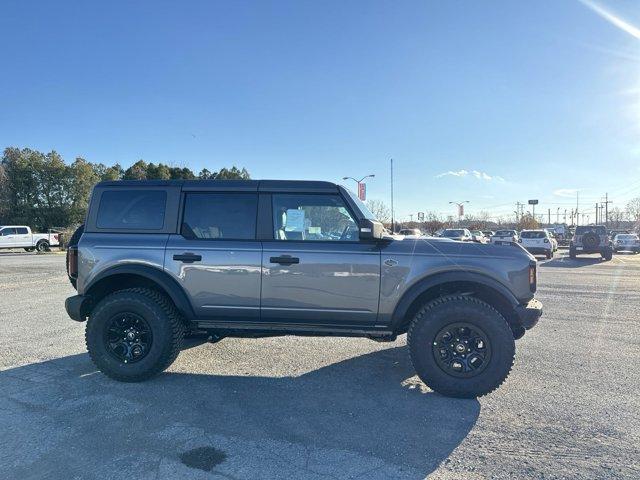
[565, 215]
[459, 204]
[606, 209]
[596, 213]
[392, 220]
[558, 215]
[519, 207]
[577, 208]
[549, 217]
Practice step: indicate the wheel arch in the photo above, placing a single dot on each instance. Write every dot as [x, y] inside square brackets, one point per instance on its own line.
[478, 285]
[130, 276]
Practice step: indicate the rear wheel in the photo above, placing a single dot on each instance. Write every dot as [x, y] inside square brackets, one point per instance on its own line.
[549, 254]
[461, 347]
[42, 246]
[134, 334]
[607, 254]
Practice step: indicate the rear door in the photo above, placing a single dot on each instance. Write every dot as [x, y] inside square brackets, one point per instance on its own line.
[216, 257]
[315, 269]
[23, 238]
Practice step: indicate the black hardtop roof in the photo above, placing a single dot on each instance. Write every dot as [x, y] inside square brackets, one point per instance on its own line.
[299, 186]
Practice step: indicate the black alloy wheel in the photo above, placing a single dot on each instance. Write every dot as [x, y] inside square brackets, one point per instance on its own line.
[462, 350]
[128, 337]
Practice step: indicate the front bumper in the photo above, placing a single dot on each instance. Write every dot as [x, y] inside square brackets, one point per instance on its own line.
[529, 313]
[78, 307]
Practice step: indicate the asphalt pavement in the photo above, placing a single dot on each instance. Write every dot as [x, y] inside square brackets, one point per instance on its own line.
[295, 407]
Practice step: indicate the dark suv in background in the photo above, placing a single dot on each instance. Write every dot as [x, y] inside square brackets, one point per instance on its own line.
[591, 239]
[161, 262]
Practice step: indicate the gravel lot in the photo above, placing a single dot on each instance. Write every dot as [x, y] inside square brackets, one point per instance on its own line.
[296, 407]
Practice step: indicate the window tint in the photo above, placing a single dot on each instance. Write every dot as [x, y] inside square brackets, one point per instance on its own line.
[22, 231]
[230, 216]
[132, 209]
[8, 231]
[313, 217]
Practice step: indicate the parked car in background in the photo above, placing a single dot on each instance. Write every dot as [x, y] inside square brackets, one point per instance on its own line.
[478, 237]
[552, 238]
[410, 232]
[591, 239]
[460, 234]
[505, 236]
[488, 234]
[537, 242]
[626, 242]
[21, 236]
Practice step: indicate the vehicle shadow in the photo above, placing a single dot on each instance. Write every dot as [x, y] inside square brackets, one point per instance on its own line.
[61, 418]
[566, 262]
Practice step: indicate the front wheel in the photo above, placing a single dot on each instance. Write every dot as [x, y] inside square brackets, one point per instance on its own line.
[461, 347]
[134, 334]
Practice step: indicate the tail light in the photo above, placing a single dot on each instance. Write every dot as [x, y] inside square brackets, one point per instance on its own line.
[72, 262]
[56, 236]
[533, 277]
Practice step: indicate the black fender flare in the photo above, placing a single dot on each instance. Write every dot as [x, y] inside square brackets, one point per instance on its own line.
[442, 278]
[155, 275]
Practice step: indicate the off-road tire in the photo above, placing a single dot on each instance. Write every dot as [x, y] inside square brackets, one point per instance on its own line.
[73, 241]
[549, 254]
[42, 246]
[439, 313]
[607, 254]
[572, 253]
[166, 325]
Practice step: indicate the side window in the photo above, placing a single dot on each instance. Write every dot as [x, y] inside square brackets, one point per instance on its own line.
[8, 231]
[132, 209]
[22, 231]
[313, 217]
[223, 216]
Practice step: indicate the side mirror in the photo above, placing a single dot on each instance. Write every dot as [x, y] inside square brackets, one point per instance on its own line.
[370, 229]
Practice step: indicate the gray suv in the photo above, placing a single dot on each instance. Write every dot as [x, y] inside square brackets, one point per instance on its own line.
[163, 264]
[591, 239]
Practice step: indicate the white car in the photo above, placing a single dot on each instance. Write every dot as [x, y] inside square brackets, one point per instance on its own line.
[410, 233]
[478, 237]
[21, 236]
[505, 236]
[627, 242]
[554, 242]
[537, 242]
[460, 234]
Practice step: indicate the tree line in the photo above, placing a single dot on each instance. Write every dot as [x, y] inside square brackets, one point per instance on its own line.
[43, 191]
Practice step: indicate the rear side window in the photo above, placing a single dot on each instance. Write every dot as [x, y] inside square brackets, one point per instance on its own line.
[22, 231]
[221, 216]
[132, 209]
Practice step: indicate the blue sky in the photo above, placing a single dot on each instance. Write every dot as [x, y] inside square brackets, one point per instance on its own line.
[539, 98]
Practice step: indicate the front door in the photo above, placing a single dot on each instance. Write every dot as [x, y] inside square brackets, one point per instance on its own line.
[7, 237]
[315, 269]
[216, 257]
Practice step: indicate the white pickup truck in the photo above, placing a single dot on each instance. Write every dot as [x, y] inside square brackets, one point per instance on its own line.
[21, 236]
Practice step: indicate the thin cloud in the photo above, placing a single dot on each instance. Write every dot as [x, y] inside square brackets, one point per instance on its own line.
[565, 192]
[474, 173]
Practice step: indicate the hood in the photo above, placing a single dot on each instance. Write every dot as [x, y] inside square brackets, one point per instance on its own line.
[445, 246]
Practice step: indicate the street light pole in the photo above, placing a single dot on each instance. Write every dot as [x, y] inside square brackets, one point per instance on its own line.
[358, 182]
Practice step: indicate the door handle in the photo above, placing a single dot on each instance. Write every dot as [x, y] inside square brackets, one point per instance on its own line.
[285, 260]
[188, 257]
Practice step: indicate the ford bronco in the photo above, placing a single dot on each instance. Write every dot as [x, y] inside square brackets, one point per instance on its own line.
[159, 264]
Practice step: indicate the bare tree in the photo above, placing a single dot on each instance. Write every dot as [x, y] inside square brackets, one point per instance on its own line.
[633, 210]
[379, 210]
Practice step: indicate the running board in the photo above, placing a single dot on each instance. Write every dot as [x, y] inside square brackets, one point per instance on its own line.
[290, 328]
